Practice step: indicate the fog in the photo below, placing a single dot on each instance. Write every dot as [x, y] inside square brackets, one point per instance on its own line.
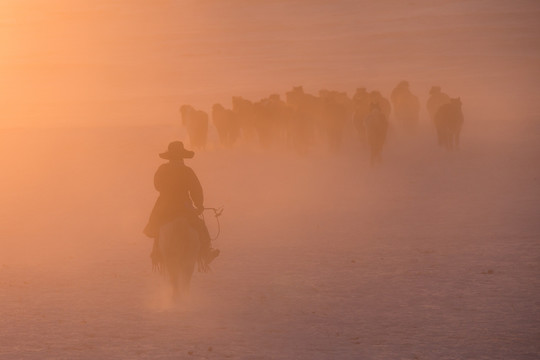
[125, 62]
[430, 254]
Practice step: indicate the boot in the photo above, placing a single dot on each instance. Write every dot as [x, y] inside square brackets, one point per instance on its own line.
[211, 254]
[208, 253]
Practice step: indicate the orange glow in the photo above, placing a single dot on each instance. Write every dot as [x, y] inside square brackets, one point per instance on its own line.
[128, 62]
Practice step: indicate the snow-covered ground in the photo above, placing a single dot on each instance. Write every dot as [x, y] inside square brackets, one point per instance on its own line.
[431, 255]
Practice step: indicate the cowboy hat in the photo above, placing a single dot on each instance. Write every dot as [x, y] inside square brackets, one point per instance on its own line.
[176, 150]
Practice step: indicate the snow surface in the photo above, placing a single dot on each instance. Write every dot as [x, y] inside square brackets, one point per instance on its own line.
[432, 255]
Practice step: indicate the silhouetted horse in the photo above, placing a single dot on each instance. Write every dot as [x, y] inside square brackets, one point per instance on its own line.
[244, 113]
[448, 121]
[376, 97]
[304, 113]
[376, 127]
[436, 99]
[406, 106]
[270, 120]
[362, 106]
[226, 124]
[196, 123]
[337, 112]
[178, 252]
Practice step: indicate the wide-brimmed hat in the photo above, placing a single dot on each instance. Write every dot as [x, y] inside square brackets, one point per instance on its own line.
[176, 150]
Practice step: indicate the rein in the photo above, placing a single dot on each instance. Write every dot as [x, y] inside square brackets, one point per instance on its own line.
[217, 214]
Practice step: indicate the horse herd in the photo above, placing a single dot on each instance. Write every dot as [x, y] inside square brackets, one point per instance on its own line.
[304, 120]
[300, 122]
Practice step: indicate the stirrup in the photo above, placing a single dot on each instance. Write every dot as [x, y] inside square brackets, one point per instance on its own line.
[212, 254]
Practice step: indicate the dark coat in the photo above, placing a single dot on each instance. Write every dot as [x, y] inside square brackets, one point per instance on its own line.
[179, 191]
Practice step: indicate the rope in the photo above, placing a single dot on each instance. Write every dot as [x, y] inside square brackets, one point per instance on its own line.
[217, 214]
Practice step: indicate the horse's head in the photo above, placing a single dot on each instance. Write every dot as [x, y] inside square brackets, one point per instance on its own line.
[456, 102]
[374, 106]
[435, 90]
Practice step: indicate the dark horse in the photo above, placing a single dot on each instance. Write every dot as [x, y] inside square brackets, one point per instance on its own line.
[178, 248]
[448, 121]
[376, 127]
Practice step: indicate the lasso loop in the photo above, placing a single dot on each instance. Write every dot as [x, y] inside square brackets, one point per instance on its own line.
[217, 214]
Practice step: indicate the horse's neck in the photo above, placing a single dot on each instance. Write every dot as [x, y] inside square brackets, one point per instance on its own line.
[375, 115]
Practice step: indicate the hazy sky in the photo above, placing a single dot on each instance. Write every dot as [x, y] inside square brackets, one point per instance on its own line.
[118, 62]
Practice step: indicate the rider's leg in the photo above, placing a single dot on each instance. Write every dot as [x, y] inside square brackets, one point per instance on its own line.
[207, 252]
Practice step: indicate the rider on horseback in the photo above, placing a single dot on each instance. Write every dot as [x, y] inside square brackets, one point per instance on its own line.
[180, 194]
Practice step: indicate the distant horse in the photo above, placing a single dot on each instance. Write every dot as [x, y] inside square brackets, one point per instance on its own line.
[436, 99]
[361, 105]
[178, 247]
[337, 112]
[226, 124]
[196, 123]
[376, 127]
[448, 121]
[406, 106]
[244, 113]
[304, 115]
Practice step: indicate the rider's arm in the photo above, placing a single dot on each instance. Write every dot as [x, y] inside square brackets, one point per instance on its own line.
[195, 190]
[159, 178]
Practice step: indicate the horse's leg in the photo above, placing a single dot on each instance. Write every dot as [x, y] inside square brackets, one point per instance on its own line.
[373, 154]
[190, 261]
[458, 131]
[184, 280]
[173, 279]
[379, 151]
[440, 133]
[446, 136]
